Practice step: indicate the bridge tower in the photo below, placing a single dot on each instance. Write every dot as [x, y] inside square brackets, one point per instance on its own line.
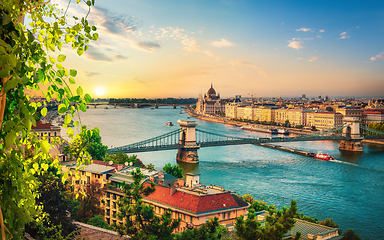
[188, 153]
[352, 132]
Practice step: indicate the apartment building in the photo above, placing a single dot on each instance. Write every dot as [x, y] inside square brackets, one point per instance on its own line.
[324, 120]
[187, 199]
[49, 131]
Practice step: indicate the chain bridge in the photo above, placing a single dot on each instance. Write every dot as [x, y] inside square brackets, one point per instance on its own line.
[188, 139]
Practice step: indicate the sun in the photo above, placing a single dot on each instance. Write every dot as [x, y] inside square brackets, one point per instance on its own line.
[99, 91]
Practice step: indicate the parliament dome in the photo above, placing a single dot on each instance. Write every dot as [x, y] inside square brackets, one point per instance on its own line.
[211, 91]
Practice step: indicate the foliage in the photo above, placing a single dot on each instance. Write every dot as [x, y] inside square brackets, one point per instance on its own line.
[174, 170]
[87, 142]
[150, 166]
[27, 63]
[209, 230]
[98, 221]
[120, 158]
[54, 204]
[329, 223]
[90, 202]
[256, 205]
[351, 235]
[277, 223]
[301, 216]
[140, 221]
[377, 126]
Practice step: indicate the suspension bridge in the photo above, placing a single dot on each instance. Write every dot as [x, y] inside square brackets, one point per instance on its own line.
[188, 139]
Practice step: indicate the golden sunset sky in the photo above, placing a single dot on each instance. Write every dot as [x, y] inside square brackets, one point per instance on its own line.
[159, 49]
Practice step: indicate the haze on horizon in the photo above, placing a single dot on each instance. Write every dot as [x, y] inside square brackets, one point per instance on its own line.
[159, 49]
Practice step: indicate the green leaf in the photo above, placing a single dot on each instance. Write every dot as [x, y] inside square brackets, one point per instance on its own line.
[93, 2]
[10, 84]
[80, 51]
[76, 123]
[95, 36]
[61, 58]
[12, 60]
[35, 166]
[78, 2]
[79, 91]
[73, 72]
[10, 138]
[83, 107]
[87, 98]
[94, 28]
[4, 72]
[44, 111]
[67, 119]
[62, 108]
[52, 60]
[89, 3]
[61, 73]
[71, 80]
[59, 66]
[45, 146]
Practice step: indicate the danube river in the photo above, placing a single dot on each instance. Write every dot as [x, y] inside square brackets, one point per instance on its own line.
[350, 189]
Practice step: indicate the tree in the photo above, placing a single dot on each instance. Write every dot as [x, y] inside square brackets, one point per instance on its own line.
[55, 206]
[98, 221]
[140, 221]
[174, 170]
[211, 230]
[89, 142]
[28, 62]
[351, 235]
[277, 223]
[120, 158]
[90, 202]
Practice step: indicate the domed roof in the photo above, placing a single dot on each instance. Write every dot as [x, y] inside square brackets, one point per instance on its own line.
[211, 91]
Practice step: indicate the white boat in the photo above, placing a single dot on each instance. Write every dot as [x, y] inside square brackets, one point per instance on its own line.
[283, 131]
[169, 124]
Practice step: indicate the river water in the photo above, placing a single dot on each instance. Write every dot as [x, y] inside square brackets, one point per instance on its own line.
[350, 189]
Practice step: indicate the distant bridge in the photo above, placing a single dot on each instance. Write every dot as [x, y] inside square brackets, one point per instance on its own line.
[187, 139]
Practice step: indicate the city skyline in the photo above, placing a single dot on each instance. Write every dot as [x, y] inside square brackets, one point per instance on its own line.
[153, 49]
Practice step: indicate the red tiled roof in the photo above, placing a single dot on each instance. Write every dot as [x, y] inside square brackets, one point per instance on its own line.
[193, 203]
[41, 125]
[374, 111]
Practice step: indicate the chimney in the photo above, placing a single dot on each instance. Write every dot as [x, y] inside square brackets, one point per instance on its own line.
[172, 190]
[119, 167]
[181, 182]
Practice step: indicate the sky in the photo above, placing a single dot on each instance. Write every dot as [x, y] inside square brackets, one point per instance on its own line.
[178, 48]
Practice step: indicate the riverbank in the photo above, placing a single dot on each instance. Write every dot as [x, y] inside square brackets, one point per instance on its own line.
[225, 120]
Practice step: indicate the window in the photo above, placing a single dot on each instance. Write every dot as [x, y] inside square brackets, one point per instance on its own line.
[190, 219]
[108, 194]
[206, 219]
[108, 212]
[108, 221]
[108, 203]
[114, 214]
[184, 217]
[229, 215]
[114, 204]
[55, 134]
[114, 196]
[223, 215]
[77, 181]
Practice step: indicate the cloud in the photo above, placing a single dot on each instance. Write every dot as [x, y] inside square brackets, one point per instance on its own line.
[248, 64]
[295, 44]
[91, 74]
[378, 56]
[94, 54]
[322, 30]
[344, 35]
[299, 58]
[313, 59]
[191, 45]
[303, 29]
[148, 46]
[120, 57]
[222, 43]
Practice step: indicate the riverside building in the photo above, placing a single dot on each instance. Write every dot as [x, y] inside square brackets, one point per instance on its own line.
[211, 104]
[187, 199]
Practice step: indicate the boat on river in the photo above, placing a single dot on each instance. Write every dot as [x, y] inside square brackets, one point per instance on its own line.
[283, 131]
[259, 129]
[169, 124]
[323, 156]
